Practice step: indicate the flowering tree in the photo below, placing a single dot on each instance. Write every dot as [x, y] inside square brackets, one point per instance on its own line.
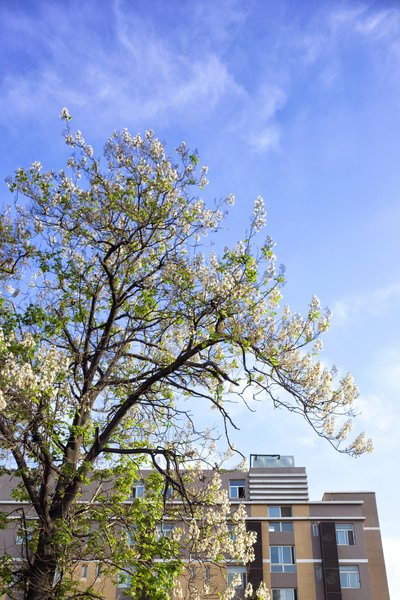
[113, 322]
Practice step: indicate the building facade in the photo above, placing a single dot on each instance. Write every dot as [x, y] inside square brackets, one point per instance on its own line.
[329, 549]
[309, 550]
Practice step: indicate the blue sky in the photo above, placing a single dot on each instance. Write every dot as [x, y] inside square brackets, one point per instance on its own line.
[296, 101]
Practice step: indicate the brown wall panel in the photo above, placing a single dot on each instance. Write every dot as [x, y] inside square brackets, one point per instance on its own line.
[330, 562]
[255, 569]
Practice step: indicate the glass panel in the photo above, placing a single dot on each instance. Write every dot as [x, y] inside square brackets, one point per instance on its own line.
[124, 580]
[130, 538]
[274, 511]
[233, 573]
[343, 580]
[271, 461]
[237, 488]
[282, 559]
[287, 554]
[344, 534]
[283, 594]
[280, 526]
[276, 569]
[349, 577]
[275, 554]
[138, 490]
[341, 538]
[231, 532]
[167, 530]
[289, 569]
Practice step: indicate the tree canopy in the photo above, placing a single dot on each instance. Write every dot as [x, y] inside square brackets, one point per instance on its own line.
[115, 319]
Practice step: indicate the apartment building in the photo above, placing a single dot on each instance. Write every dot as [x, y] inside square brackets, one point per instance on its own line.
[328, 549]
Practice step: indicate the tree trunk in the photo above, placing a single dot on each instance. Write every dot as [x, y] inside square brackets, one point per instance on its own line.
[40, 580]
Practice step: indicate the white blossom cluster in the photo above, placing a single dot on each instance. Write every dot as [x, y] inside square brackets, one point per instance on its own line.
[216, 535]
[23, 378]
[259, 213]
[210, 535]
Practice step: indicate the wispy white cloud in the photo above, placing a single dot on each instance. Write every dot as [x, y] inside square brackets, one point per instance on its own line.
[382, 24]
[370, 302]
[123, 62]
[374, 21]
[133, 72]
[377, 24]
[137, 68]
[258, 122]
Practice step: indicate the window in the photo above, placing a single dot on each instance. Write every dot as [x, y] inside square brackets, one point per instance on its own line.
[349, 577]
[207, 573]
[25, 534]
[238, 575]
[279, 511]
[315, 529]
[124, 580]
[318, 572]
[284, 594]
[138, 490]
[130, 537]
[98, 571]
[237, 488]
[282, 559]
[84, 572]
[232, 532]
[280, 526]
[167, 529]
[164, 530]
[344, 534]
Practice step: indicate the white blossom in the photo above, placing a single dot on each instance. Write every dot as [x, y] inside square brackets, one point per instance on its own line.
[64, 115]
[259, 213]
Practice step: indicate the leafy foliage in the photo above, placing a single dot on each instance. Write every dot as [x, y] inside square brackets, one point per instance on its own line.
[112, 323]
